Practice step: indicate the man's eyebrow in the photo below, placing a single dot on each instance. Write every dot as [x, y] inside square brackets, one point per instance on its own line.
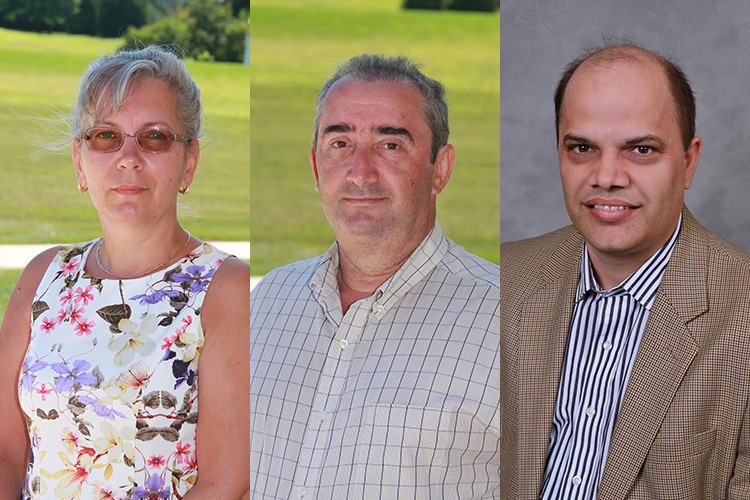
[646, 138]
[337, 128]
[575, 138]
[394, 131]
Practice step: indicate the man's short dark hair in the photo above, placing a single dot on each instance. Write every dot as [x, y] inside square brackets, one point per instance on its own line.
[679, 86]
[373, 67]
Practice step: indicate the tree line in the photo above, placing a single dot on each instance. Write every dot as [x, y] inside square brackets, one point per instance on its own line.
[204, 29]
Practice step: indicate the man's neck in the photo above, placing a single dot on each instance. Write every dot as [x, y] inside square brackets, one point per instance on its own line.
[365, 264]
[359, 279]
[612, 269]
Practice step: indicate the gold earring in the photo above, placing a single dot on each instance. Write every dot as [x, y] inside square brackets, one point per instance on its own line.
[82, 188]
[184, 190]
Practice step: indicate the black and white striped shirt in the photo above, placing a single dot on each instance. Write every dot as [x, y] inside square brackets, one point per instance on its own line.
[605, 330]
[396, 399]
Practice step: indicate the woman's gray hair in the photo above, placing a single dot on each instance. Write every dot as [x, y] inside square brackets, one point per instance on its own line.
[105, 88]
[373, 67]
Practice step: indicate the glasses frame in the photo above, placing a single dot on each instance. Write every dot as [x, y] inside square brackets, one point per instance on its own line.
[87, 135]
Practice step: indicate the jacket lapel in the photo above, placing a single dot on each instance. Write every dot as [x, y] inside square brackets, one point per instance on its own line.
[543, 336]
[664, 355]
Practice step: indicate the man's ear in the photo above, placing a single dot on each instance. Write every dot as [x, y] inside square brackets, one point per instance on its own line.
[443, 167]
[314, 165]
[692, 155]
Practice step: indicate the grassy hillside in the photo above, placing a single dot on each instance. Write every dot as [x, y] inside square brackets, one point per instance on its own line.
[294, 46]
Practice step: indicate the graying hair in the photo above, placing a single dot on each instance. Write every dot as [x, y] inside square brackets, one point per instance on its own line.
[372, 67]
[105, 89]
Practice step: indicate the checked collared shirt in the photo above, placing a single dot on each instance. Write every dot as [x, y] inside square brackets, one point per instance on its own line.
[396, 399]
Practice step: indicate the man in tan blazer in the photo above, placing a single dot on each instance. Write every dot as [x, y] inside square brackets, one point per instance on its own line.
[625, 338]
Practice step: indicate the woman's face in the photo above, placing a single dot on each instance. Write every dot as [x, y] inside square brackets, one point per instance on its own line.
[130, 185]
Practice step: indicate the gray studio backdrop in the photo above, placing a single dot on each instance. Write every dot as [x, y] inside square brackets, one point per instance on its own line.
[710, 40]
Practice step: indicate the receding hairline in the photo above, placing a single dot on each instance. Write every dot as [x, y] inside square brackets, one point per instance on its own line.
[609, 57]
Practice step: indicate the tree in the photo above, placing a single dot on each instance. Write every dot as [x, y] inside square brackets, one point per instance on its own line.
[480, 5]
[115, 16]
[83, 20]
[35, 15]
[206, 30]
[424, 4]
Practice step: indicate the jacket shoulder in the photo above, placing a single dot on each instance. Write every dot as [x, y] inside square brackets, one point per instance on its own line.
[525, 256]
[726, 252]
[528, 265]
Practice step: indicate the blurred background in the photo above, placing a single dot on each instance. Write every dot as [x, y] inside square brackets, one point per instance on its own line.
[46, 45]
[711, 43]
[294, 47]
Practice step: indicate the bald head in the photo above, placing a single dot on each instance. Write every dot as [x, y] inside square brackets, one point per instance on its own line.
[683, 100]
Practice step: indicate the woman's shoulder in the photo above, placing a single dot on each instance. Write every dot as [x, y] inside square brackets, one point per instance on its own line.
[229, 292]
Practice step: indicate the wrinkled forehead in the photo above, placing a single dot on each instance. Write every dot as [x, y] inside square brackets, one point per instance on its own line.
[391, 96]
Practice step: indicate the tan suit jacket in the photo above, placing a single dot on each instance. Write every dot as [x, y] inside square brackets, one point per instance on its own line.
[683, 431]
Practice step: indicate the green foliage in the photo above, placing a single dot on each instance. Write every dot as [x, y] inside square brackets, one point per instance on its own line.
[240, 5]
[35, 15]
[424, 4]
[84, 19]
[479, 5]
[115, 16]
[207, 30]
[93, 17]
[476, 5]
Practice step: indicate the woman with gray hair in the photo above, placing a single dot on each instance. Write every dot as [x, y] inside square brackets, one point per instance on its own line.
[103, 343]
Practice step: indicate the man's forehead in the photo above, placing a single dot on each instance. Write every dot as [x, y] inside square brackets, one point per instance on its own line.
[361, 105]
[375, 92]
[633, 77]
[646, 69]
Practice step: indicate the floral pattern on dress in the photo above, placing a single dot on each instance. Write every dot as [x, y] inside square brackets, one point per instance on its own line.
[109, 384]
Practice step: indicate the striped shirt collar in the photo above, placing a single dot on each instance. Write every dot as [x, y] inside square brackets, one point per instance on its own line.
[641, 285]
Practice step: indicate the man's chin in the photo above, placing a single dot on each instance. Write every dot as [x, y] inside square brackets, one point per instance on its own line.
[364, 225]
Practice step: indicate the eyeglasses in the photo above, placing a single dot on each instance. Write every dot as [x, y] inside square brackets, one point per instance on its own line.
[149, 140]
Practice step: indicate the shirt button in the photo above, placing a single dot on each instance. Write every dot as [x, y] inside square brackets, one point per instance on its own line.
[322, 416]
[302, 491]
[344, 344]
[590, 411]
[607, 345]
[379, 308]
[576, 480]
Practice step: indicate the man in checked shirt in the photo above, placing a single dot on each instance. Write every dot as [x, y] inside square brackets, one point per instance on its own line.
[375, 367]
[626, 336]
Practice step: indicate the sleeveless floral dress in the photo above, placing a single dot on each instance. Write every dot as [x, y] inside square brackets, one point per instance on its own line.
[109, 385]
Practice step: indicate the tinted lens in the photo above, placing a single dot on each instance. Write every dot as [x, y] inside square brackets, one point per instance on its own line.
[103, 139]
[155, 140]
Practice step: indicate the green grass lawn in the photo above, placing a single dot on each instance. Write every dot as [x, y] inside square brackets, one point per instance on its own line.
[40, 202]
[296, 43]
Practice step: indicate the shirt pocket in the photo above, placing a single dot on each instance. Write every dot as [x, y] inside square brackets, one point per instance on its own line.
[446, 453]
[676, 468]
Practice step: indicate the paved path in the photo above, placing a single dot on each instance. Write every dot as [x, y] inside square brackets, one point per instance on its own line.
[17, 256]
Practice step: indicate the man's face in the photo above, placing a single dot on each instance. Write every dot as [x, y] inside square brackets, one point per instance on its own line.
[623, 166]
[372, 161]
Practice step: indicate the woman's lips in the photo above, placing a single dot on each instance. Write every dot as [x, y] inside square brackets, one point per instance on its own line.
[129, 190]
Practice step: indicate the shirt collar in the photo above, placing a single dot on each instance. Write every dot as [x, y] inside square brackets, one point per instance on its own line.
[420, 263]
[641, 285]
